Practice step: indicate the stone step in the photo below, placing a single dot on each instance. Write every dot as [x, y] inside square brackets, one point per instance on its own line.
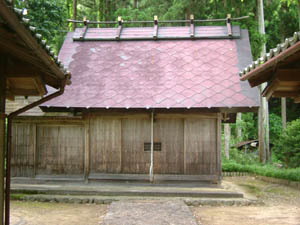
[168, 192]
[83, 199]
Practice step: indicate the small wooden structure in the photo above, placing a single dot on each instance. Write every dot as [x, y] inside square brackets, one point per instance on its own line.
[280, 68]
[143, 100]
[27, 65]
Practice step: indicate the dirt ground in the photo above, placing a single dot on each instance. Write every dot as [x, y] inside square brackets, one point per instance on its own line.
[282, 206]
[37, 213]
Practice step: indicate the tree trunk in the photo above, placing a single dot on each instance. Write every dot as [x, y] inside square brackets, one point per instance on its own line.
[74, 14]
[263, 112]
[227, 139]
[238, 127]
[135, 4]
[283, 112]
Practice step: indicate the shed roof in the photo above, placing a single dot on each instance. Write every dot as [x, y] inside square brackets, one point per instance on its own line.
[280, 68]
[177, 72]
[30, 62]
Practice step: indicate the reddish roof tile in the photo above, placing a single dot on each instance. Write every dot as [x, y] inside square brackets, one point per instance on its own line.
[157, 74]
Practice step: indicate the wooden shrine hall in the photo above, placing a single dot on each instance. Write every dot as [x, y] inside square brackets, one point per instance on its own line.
[27, 67]
[145, 103]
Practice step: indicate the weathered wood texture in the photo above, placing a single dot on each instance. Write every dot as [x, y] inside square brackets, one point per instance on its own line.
[22, 157]
[200, 137]
[115, 145]
[60, 149]
[170, 133]
[105, 145]
[20, 102]
[135, 132]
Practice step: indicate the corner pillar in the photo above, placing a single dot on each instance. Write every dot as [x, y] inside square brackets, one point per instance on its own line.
[2, 154]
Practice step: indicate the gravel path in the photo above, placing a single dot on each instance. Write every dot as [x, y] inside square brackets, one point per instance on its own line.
[149, 212]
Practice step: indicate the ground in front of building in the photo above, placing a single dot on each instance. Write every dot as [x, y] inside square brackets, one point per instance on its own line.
[282, 206]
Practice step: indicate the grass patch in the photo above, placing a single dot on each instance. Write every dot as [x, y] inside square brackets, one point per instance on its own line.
[263, 170]
[17, 196]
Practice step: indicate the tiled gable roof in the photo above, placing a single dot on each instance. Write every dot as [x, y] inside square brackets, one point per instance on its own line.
[175, 73]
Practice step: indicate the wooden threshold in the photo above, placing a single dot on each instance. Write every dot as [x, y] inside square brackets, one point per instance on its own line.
[157, 177]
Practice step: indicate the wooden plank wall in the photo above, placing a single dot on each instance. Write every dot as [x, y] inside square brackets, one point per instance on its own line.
[171, 135]
[200, 146]
[115, 144]
[105, 145]
[134, 133]
[60, 149]
[23, 150]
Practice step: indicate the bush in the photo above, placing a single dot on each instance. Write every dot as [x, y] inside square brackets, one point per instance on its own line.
[243, 158]
[262, 170]
[275, 127]
[287, 147]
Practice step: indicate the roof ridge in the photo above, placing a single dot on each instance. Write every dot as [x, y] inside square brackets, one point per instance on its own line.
[39, 38]
[289, 42]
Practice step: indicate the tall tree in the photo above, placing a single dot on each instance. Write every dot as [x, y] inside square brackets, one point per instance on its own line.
[263, 111]
[74, 14]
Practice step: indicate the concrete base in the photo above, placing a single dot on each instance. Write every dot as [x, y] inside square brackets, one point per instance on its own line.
[184, 189]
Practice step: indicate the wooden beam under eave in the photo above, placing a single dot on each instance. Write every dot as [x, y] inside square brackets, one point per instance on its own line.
[21, 53]
[255, 81]
[40, 86]
[24, 92]
[288, 75]
[290, 94]
[297, 100]
[270, 89]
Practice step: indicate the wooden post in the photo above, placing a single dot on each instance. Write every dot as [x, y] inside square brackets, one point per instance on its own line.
[152, 153]
[283, 112]
[87, 150]
[219, 135]
[227, 132]
[2, 133]
[35, 155]
[264, 150]
[238, 127]
[2, 149]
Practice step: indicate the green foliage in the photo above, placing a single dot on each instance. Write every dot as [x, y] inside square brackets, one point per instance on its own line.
[49, 17]
[241, 157]
[263, 170]
[281, 21]
[287, 147]
[275, 123]
[248, 124]
[292, 109]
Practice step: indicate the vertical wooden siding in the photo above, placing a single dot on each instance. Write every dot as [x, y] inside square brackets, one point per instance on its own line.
[171, 135]
[105, 145]
[60, 149]
[23, 145]
[134, 133]
[116, 145]
[200, 146]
